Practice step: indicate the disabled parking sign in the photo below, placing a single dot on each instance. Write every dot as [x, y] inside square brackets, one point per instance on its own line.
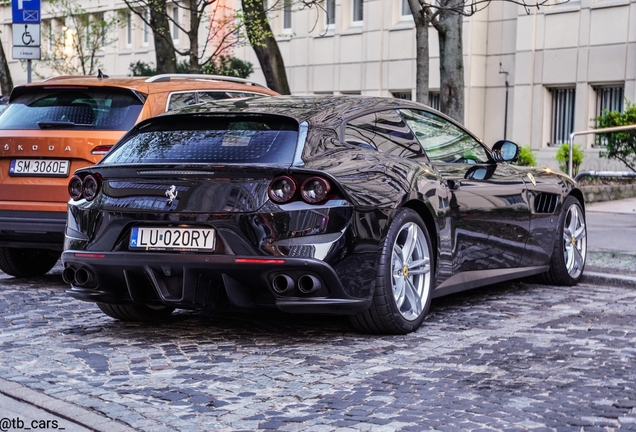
[26, 30]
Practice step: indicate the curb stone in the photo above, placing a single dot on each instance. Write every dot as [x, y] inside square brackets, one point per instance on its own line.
[65, 410]
[594, 278]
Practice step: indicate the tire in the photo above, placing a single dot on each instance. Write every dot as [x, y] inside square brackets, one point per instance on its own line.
[570, 246]
[136, 312]
[27, 262]
[404, 279]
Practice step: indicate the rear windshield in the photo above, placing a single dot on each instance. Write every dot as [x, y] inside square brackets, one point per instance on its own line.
[202, 140]
[76, 108]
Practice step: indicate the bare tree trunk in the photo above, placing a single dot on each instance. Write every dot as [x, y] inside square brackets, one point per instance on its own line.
[193, 36]
[164, 48]
[262, 40]
[421, 52]
[6, 83]
[451, 63]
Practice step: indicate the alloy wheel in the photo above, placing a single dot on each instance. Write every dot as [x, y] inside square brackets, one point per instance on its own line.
[575, 241]
[411, 271]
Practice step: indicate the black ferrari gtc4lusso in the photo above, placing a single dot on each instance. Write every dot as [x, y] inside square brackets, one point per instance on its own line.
[367, 207]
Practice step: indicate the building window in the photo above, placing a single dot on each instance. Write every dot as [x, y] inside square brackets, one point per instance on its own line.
[433, 100]
[562, 115]
[402, 94]
[175, 23]
[47, 27]
[146, 26]
[129, 29]
[358, 9]
[406, 9]
[330, 10]
[610, 99]
[287, 14]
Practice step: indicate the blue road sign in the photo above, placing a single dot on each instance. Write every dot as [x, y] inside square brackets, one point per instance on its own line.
[26, 11]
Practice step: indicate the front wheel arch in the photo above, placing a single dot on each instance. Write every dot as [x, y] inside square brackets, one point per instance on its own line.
[427, 217]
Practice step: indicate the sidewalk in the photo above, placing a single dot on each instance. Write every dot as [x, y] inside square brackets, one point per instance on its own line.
[611, 233]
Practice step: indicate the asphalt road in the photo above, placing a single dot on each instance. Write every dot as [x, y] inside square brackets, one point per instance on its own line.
[515, 356]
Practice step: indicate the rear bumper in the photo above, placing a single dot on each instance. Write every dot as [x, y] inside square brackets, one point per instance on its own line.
[30, 229]
[207, 281]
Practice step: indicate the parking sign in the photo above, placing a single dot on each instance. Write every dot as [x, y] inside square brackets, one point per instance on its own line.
[26, 11]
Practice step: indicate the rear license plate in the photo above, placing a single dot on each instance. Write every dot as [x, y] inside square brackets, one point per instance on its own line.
[194, 239]
[37, 167]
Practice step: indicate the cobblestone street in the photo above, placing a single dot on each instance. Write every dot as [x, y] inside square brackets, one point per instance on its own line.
[508, 357]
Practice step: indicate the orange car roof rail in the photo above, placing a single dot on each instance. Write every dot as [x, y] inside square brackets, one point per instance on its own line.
[168, 77]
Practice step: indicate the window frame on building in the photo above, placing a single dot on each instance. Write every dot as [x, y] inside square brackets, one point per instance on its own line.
[146, 28]
[434, 99]
[402, 94]
[174, 33]
[405, 10]
[562, 114]
[330, 14]
[287, 15]
[129, 30]
[610, 97]
[357, 12]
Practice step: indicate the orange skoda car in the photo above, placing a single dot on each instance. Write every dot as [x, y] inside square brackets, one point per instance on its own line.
[52, 128]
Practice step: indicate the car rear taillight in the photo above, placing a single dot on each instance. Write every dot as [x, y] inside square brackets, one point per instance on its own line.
[101, 149]
[315, 189]
[86, 188]
[282, 189]
[90, 187]
[75, 187]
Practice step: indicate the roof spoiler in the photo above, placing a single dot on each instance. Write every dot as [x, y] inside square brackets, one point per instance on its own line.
[168, 77]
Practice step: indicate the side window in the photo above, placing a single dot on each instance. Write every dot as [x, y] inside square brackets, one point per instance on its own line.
[442, 140]
[180, 100]
[384, 131]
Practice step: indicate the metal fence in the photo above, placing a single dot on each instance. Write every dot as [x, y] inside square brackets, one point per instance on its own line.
[593, 131]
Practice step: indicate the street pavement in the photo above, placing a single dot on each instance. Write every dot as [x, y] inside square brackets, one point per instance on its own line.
[513, 356]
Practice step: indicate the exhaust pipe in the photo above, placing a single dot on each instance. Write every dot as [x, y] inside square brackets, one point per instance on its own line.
[68, 275]
[308, 284]
[282, 284]
[83, 277]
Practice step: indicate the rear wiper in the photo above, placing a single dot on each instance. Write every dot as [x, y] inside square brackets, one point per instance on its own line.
[62, 124]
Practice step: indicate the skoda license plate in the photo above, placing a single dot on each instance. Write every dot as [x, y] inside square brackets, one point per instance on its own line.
[37, 167]
[193, 239]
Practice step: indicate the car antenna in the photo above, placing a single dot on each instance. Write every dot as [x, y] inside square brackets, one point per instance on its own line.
[101, 74]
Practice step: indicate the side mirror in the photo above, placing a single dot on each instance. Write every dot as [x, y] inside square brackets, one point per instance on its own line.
[505, 151]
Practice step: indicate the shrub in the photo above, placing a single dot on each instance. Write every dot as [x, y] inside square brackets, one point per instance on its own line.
[526, 157]
[618, 145]
[229, 66]
[563, 156]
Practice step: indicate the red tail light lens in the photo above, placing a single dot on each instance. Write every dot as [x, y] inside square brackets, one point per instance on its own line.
[90, 187]
[75, 187]
[282, 189]
[315, 189]
[101, 149]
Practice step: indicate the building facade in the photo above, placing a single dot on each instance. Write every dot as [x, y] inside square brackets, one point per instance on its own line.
[534, 77]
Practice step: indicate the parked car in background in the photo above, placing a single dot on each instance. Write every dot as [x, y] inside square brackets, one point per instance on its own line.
[54, 127]
[368, 207]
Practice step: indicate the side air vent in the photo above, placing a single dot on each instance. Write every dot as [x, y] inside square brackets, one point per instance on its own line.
[545, 203]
